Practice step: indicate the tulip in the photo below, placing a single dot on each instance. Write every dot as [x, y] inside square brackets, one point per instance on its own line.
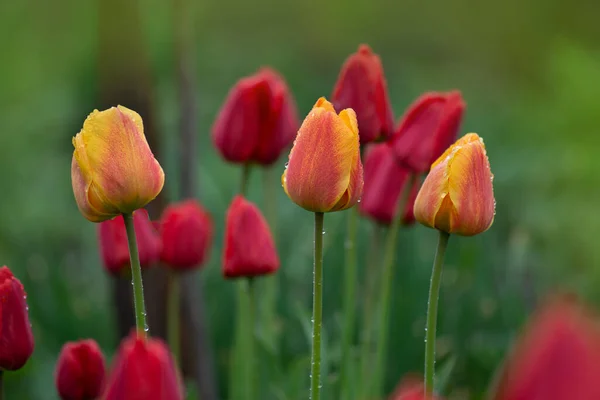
[143, 369]
[362, 87]
[186, 233]
[80, 371]
[411, 389]
[427, 128]
[16, 338]
[249, 249]
[257, 121]
[557, 356]
[113, 243]
[324, 172]
[113, 170]
[384, 181]
[457, 195]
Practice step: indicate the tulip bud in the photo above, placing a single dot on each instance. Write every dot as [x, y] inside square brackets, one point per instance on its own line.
[385, 180]
[427, 128]
[186, 234]
[324, 172]
[143, 369]
[249, 249]
[362, 87]
[80, 371]
[114, 247]
[113, 170]
[457, 195]
[258, 120]
[557, 356]
[16, 339]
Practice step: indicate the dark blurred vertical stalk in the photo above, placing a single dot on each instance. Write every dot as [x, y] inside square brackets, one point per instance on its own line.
[124, 77]
[198, 363]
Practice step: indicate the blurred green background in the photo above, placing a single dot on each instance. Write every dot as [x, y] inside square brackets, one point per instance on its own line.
[529, 71]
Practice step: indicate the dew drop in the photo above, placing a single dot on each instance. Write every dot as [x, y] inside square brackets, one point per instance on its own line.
[286, 165]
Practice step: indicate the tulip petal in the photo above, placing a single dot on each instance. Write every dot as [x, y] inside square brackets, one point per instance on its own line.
[470, 188]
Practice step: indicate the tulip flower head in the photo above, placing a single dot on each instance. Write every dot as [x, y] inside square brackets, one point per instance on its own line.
[411, 388]
[143, 369]
[556, 358]
[385, 179]
[16, 338]
[324, 172]
[362, 87]
[80, 371]
[186, 234]
[258, 120]
[427, 128]
[114, 248]
[458, 196]
[249, 249]
[113, 170]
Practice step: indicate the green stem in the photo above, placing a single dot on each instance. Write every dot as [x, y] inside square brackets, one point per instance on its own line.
[245, 179]
[386, 286]
[432, 306]
[136, 277]
[248, 352]
[315, 369]
[350, 281]
[373, 278]
[173, 314]
[1, 385]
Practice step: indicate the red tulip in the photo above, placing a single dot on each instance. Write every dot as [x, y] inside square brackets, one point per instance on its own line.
[114, 247]
[556, 358]
[411, 388]
[186, 233]
[258, 120]
[143, 369]
[362, 87]
[249, 248]
[385, 179]
[429, 126]
[16, 339]
[80, 371]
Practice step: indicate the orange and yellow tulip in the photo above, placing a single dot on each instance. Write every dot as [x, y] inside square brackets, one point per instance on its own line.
[113, 170]
[457, 196]
[324, 172]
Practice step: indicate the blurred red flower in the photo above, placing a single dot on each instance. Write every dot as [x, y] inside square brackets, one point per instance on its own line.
[186, 234]
[411, 388]
[80, 371]
[385, 179]
[16, 338]
[114, 248]
[427, 129]
[249, 248]
[556, 358]
[143, 369]
[362, 87]
[257, 121]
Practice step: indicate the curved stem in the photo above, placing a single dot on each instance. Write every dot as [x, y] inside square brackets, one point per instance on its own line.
[386, 287]
[173, 315]
[432, 306]
[350, 281]
[136, 277]
[315, 369]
